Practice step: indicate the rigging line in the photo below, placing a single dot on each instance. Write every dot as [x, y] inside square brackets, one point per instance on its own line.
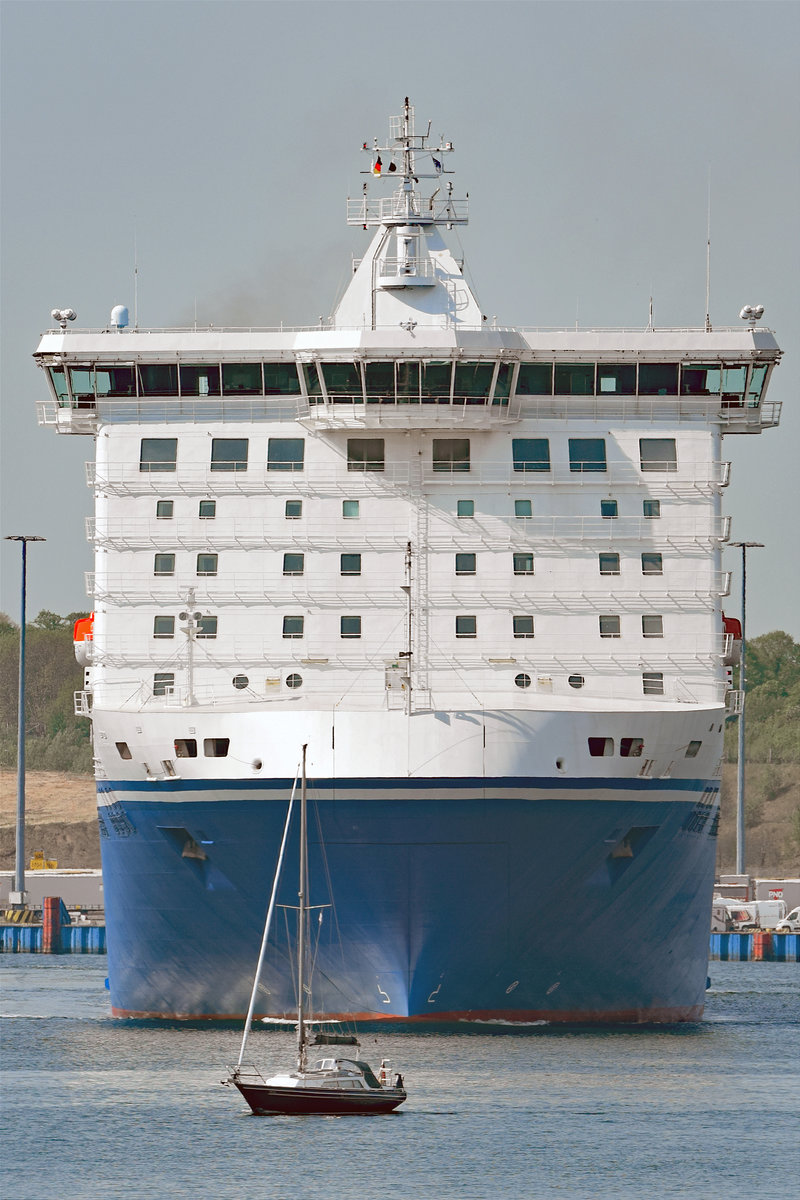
[450, 661]
[268, 921]
[370, 665]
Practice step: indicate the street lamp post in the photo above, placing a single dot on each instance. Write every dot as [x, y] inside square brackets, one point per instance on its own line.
[17, 897]
[740, 855]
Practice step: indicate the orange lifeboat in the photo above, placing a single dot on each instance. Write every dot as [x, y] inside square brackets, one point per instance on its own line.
[732, 628]
[83, 638]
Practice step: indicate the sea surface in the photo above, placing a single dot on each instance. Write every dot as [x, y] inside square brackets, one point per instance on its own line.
[96, 1107]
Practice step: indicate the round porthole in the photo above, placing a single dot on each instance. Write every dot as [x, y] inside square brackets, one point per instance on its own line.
[240, 681]
[294, 681]
[576, 681]
[522, 680]
[257, 764]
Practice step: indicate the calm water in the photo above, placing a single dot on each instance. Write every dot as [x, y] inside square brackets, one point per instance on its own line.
[100, 1108]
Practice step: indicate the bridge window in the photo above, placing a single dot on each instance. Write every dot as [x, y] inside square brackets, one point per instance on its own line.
[114, 381]
[616, 379]
[242, 379]
[58, 379]
[451, 454]
[530, 454]
[285, 454]
[366, 454]
[658, 454]
[758, 375]
[229, 454]
[408, 382]
[587, 454]
[379, 379]
[733, 381]
[343, 379]
[699, 380]
[281, 379]
[574, 379]
[437, 379]
[658, 379]
[535, 379]
[158, 454]
[158, 379]
[473, 381]
[199, 379]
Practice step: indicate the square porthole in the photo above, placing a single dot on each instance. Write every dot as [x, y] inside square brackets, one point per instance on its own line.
[207, 510]
[465, 508]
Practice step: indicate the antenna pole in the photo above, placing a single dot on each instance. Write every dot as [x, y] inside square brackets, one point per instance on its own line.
[708, 258]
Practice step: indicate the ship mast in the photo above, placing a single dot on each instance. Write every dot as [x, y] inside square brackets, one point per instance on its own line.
[301, 933]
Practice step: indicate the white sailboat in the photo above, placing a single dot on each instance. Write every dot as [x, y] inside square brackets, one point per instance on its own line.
[328, 1086]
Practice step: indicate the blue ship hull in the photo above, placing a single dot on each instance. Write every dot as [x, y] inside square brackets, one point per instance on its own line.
[447, 900]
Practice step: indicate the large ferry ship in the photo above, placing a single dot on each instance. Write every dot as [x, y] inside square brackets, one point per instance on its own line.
[478, 570]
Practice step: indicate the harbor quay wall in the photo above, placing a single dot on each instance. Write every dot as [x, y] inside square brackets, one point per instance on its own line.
[759, 946]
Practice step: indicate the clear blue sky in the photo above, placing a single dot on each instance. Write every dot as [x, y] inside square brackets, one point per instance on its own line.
[223, 138]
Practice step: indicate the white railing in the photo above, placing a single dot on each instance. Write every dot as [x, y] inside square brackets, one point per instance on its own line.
[393, 210]
[127, 479]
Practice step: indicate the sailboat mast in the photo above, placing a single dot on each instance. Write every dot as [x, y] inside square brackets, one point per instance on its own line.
[301, 935]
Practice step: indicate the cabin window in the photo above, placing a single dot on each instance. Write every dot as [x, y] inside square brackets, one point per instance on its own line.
[574, 379]
[281, 379]
[123, 750]
[653, 683]
[199, 379]
[609, 563]
[158, 379]
[242, 379]
[523, 562]
[207, 510]
[465, 508]
[164, 564]
[658, 454]
[185, 747]
[158, 454]
[466, 627]
[530, 454]
[522, 680]
[535, 379]
[163, 683]
[163, 627]
[294, 680]
[343, 379]
[576, 681]
[692, 749]
[651, 509]
[285, 454]
[652, 626]
[240, 682]
[658, 379]
[465, 564]
[293, 510]
[601, 747]
[229, 454]
[216, 747]
[207, 627]
[350, 564]
[523, 627]
[587, 454]
[294, 564]
[523, 508]
[207, 563]
[451, 454]
[616, 379]
[609, 509]
[164, 509]
[631, 747]
[652, 563]
[293, 627]
[350, 627]
[350, 510]
[366, 454]
[609, 626]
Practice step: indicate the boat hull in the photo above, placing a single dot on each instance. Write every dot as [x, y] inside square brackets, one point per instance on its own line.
[268, 1100]
[518, 900]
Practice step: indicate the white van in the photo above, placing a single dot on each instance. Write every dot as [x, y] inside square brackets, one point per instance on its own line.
[790, 923]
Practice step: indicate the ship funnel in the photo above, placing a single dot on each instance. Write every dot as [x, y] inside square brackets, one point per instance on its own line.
[119, 316]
